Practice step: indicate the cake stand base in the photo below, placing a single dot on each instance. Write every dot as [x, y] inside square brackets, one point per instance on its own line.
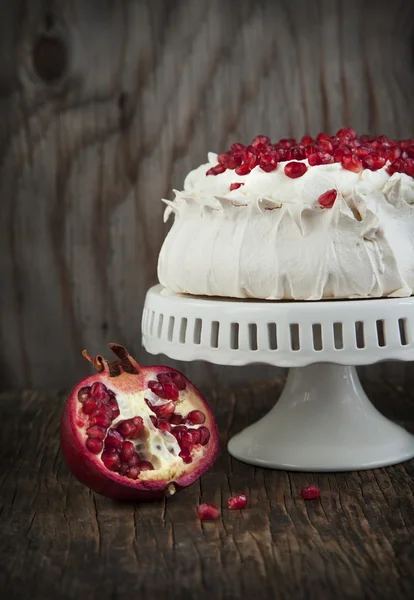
[323, 421]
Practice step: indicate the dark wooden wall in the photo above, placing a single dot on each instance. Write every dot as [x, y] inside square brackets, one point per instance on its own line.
[106, 105]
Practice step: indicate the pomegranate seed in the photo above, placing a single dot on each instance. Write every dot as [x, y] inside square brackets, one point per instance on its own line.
[98, 390]
[283, 154]
[196, 417]
[145, 465]
[131, 428]
[216, 170]
[311, 149]
[96, 432]
[133, 472]
[185, 456]
[157, 388]
[409, 167]
[84, 394]
[164, 411]
[250, 159]
[410, 154]
[186, 441]
[327, 199]
[229, 161]
[206, 512]
[363, 151]
[235, 186]
[298, 152]
[287, 143]
[128, 450]
[306, 140]
[237, 148]
[164, 425]
[171, 391]
[310, 492]
[114, 440]
[325, 146]
[204, 435]
[111, 460]
[123, 469]
[178, 379]
[325, 158]
[243, 170]
[113, 405]
[393, 154]
[314, 159]
[176, 419]
[260, 140]
[153, 419]
[351, 163]
[373, 162]
[237, 502]
[94, 445]
[268, 162]
[396, 167]
[346, 132]
[295, 169]
[341, 152]
[133, 461]
[196, 436]
[90, 406]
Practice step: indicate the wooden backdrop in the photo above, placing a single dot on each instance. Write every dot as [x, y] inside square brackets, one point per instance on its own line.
[106, 105]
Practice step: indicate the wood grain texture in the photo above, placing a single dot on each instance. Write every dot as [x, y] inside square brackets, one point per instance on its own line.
[106, 105]
[58, 540]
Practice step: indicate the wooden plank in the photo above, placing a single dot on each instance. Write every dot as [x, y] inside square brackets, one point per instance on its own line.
[107, 105]
[59, 540]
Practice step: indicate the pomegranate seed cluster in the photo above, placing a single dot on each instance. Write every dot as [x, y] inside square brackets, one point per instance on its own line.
[353, 152]
[121, 447]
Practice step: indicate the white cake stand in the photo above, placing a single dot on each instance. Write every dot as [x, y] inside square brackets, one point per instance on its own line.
[323, 420]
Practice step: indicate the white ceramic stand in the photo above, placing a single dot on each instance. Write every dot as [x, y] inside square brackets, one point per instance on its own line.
[323, 420]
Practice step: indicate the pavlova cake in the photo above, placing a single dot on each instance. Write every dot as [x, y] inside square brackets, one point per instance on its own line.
[330, 217]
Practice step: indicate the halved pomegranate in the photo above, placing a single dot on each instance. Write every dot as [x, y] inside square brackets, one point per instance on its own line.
[139, 433]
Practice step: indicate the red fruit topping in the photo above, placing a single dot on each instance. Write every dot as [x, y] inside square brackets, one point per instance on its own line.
[260, 140]
[409, 167]
[341, 152]
[268, 162]
[206, 512]
[373, 161]
[310, 492]
[237, 502]
[229, 160]
[295, 169]
[235, 186]
[325, 146]
[287, 143]
[351, 163]
[237, 148]
[216, 170]
[109, 443]
[307, 140]
[298, 152]
[243, 170]
[396, 167]
[250, 158]
[327, 199]
[196, 417]
[314, 159]
[325, 158]
[322, 136]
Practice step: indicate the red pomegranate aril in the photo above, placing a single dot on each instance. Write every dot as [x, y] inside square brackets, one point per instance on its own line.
[362, 151]
[94, 445]
[396, 167]
[123, 469]
[287, 143]
[127, 451]
[204, 435]
[98, 390]
[325, 158]
[327, 199]
[314, 159]
[171, 391]
[111, 460]
[298, 152]
[113, 405]
[346, 132]
[206, 511]
[84, 394]
[341, 152]
[229, 161]
[196, 436]
[131, 428]
[164, 411]
[237, 148]
[186, 441]
[307, 140]
[152, 417]
[164, 425]
[235, 186]
[325, 146]
[310, 492]
[237, 502]
[410, 152]
[242, 170]
[145, 465]
[351, 163]
[157, 388]
[114, 440]
[295, 169]
[179, 380]
[260, 140]
[393, 154]
[101, 418]
[133, 461]
[90, 406]
[176, 419]
[96, 432]
[133, 472]
[196, 417]
[373, 162]
[186, 456]
[250, 159]
[216, 170]
[409, 167]
[268, 162]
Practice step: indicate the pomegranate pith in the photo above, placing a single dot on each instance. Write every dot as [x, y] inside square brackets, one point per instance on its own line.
[132, 432]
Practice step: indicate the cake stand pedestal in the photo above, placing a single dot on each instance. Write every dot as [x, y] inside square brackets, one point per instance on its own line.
[323, 420]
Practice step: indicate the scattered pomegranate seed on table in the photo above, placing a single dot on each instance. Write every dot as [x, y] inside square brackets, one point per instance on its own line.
[207, 512]
[310, 492]
[237, 502]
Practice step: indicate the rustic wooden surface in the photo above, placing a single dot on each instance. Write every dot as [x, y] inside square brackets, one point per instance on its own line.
[106, 105]
[60, 541]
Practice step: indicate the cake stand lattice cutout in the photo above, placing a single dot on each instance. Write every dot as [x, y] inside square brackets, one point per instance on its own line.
[323, 420]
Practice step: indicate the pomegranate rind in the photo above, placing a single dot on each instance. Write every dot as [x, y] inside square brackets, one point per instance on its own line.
[88, 467]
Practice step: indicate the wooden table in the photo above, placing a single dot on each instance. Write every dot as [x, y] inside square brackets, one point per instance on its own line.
[58, 540]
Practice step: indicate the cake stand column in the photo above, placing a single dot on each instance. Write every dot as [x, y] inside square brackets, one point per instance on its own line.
[323, 421]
